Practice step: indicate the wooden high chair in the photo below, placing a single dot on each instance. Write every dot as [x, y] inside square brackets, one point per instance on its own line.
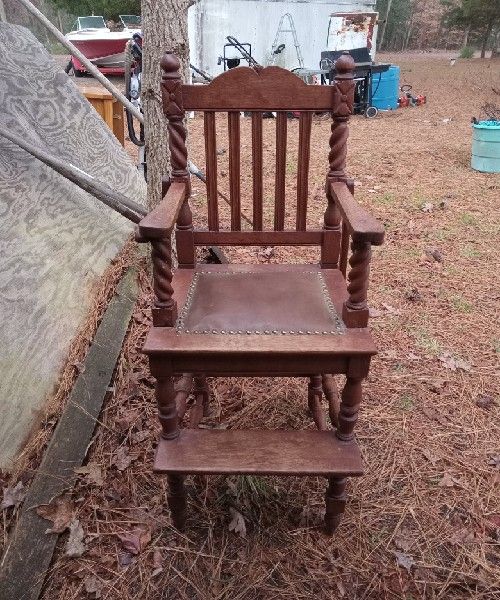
[260, 320]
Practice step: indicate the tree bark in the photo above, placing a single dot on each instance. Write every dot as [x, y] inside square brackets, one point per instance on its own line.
[489, 27]
[384, 24]
[3, 17]
[466, 36]
[164, 25]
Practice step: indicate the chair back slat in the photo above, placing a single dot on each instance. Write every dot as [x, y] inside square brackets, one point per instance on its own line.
[233, 118]
[305, 121]
[211, 170]
[257, 179]
[280, 173]
[259, 91]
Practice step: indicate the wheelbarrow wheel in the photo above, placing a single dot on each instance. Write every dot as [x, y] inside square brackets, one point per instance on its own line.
[371, 112]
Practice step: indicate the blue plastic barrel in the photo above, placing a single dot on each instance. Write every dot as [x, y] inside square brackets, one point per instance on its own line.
[385, 89]
[486, 146]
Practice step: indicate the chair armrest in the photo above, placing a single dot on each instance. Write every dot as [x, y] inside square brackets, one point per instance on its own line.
[161, 220]
[362, 226]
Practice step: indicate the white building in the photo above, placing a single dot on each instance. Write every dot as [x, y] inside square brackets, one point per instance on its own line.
[256, 22]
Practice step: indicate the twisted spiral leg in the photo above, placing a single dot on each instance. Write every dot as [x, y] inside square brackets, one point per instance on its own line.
[338, 148]
[165, 307]
[177, 144]
[358, 275]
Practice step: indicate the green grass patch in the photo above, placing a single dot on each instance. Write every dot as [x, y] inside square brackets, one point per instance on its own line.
[426, 341]
[469, 251]
[406, 402]
[460, 304]
[467, 218]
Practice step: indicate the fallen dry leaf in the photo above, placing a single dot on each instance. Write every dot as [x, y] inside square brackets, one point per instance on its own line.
[13, 496]
[122, 458]
[266, 254]
[448, 481]
[93, 585]
[494, 461]
[485, 401]
[93, 473]
[124, 559]
[454, 364]
[413, 295]
[126, 419]
[402, 540]
[79, 366]
[462, 536]
[404, 560]
[430, 456]
[136, 540]
[75, 546]
[427, 207]
[157, 563]
[390, 309]
[431, 254]
[435, 415]
[237, 523]
[60, 511]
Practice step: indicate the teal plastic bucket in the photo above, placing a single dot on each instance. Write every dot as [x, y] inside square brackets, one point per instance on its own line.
[385, 89]
[486, 146]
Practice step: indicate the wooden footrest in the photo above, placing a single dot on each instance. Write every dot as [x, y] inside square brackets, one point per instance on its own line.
[263, 452]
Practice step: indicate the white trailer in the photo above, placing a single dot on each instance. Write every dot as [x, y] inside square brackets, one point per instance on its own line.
[256, 22]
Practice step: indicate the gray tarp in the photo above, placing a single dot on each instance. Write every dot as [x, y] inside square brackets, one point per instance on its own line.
[55, 240]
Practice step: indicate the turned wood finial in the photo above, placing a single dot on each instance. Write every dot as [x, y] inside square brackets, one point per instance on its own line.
[344, 66]
[171, 86]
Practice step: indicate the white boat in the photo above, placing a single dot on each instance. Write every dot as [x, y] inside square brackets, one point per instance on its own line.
[104, 47]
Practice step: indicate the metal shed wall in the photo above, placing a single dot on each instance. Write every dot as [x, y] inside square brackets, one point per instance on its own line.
[256, 22]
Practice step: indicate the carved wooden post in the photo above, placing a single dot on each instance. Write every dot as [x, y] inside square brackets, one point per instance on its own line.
[167, 408]
[349, 408]
[355, 309]
[315, 392]
[335, 499]
[177, 133]
[342, 108]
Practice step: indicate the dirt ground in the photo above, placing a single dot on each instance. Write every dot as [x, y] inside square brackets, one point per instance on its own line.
[424, 521]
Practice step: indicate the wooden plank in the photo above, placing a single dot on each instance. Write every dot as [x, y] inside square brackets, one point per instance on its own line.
[258, 452]
[280, 173]
[305, 121]
[257, 180]
[211, 170]
[361, 224]
[165, 340]
[234, 169]
[272, 88]
[160, 221]
[258, 238]
[29, 553]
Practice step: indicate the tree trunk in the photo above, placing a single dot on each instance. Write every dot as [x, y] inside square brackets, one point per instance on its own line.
[59, 21]
[409, 31]
[489, 27]
[466, 36]
[164, 25]
[384, 25]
